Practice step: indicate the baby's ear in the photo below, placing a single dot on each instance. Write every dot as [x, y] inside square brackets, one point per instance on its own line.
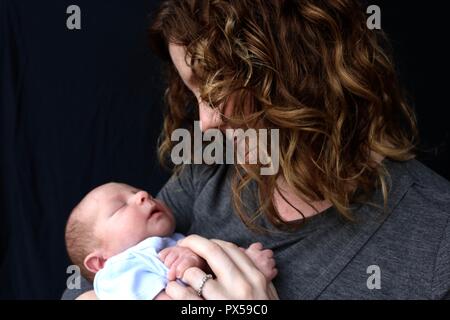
[94, 262]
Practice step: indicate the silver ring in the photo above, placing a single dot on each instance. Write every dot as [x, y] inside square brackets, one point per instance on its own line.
[205, 278]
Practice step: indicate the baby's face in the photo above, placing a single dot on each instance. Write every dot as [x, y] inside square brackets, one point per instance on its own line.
[127, 216]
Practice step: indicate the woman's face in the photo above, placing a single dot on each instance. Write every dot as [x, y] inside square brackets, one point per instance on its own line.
[209, 118]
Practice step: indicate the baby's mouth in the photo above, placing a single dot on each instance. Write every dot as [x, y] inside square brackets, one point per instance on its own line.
[154, 211]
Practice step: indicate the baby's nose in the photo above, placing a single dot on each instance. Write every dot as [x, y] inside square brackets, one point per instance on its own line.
[142, 197]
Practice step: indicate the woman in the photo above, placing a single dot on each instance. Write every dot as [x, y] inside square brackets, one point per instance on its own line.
[349, 214]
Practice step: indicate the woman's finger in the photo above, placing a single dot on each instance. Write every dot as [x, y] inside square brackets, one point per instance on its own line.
[178, 292]
[243, 262]
[219, 262]
[211, 290]
[223, 258]
[272, 292]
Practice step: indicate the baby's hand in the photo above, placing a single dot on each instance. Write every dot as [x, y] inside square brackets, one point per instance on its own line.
[263, 260]
[178, 260]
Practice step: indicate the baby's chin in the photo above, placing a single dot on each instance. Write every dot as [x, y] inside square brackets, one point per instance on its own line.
[163, 228]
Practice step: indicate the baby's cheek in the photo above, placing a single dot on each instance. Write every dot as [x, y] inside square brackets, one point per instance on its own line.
[171, 224]
[170, 219]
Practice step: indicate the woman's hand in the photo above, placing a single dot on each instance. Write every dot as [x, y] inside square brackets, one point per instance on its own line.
[236, 275]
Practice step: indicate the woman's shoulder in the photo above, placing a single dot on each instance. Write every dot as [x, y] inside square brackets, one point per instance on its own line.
[417, 210]
[417, 230]
[429, 188]
[215, 175]
[419, 201]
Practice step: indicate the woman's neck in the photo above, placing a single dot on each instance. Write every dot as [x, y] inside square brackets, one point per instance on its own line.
[289, 204]
[289, 210]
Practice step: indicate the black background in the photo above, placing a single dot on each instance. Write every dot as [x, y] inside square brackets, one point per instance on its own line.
[80, 108]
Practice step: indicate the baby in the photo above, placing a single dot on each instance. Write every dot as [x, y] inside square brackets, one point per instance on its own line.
[123, 240]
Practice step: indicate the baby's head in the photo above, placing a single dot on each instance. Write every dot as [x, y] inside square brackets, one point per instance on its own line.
[111, 219]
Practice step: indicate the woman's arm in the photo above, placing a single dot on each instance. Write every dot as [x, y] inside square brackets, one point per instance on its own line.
[89, 295]
[72, 294]
[236, 275]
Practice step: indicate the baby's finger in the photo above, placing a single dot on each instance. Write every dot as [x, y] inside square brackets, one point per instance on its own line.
[163, 253]
[182, 267]
[275, 272]
[256, 246]
[272, 274]
[268, 253]
[171, 258]
[172, 273]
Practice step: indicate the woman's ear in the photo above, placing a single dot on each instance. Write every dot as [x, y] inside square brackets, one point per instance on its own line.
[94, 262]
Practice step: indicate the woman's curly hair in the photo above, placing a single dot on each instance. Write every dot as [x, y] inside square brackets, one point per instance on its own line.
[310, 68]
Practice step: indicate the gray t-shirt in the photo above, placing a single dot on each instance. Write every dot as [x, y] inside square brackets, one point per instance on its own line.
[401, 254]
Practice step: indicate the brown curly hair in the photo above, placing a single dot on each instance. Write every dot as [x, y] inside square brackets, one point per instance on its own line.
[310, 68]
